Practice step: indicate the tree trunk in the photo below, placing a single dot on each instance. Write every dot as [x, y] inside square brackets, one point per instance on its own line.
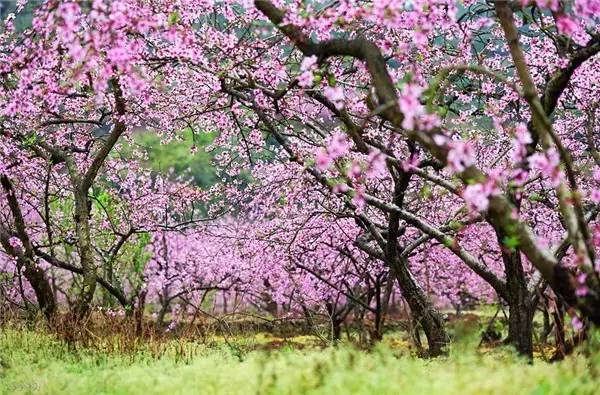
[520, 327]
[86, 256]
[336, 328]
[547, 325]
[42, 289]
[520, 307]
[382, 300]
[25, 255]
[270, 305]
[422, 309]
[108, 298]
[558, 315]
[160, 319]
[139, 313]
[336, 319]
[35, 276]
[377, 331]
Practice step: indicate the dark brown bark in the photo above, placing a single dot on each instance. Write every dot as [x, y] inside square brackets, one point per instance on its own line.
[41, 287]
[160, 319]
[336, 329]
[25, 256]
[423, 311]
[520, 305]
[338, 316]
[86, 254]
[520, 327]
[382, 297]
[139, 313]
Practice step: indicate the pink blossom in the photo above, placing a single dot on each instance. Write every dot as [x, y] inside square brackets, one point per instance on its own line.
[322, 159]
[376, 164]
[354, 171]
[173, 73]
[566, 25]
[428, 122]
[460, 156]
[359, 199]
[309, 63]
[582, 290]
[519, 176]
[306, 79]
[440, 139]
[335, 94]
[522, 134]
[338, 146]
[340, 188]
[308, 66]
[577, 323]
[551, 4]
[588, 8]
[595, 196]
[476, 197]
[410, 163]
[483, 22]
[522, 139]
[15, 242]
[410, 105]
[547, 163]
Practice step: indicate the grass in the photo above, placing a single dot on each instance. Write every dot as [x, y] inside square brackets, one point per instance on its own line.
[35, 362]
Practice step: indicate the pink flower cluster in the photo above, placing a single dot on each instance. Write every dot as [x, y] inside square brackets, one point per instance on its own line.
[308, 67]
[338, 146]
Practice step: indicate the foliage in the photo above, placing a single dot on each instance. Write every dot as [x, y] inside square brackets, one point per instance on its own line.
[185, 156]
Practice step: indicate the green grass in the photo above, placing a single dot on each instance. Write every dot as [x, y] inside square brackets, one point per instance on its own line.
[31, 362]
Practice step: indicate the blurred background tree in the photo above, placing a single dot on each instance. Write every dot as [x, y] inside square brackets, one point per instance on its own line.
[23, 19]
[185, 156]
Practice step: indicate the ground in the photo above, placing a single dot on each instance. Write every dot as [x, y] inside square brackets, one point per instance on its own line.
[34, 361]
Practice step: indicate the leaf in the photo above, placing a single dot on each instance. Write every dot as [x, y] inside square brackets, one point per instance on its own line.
[535, 197]
[173, 18]
[512, 242]
[426, 192]
[331, 80]
[455, 225]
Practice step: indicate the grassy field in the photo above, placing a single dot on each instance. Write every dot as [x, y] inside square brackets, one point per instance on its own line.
[33, 362]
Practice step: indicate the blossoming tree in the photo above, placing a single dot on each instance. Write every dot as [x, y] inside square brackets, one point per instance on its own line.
[447, 137]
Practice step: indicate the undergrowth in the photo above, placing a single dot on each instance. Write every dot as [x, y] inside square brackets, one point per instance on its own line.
[34, 361]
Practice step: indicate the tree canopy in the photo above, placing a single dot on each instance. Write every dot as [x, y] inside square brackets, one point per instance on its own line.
[441, 152]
